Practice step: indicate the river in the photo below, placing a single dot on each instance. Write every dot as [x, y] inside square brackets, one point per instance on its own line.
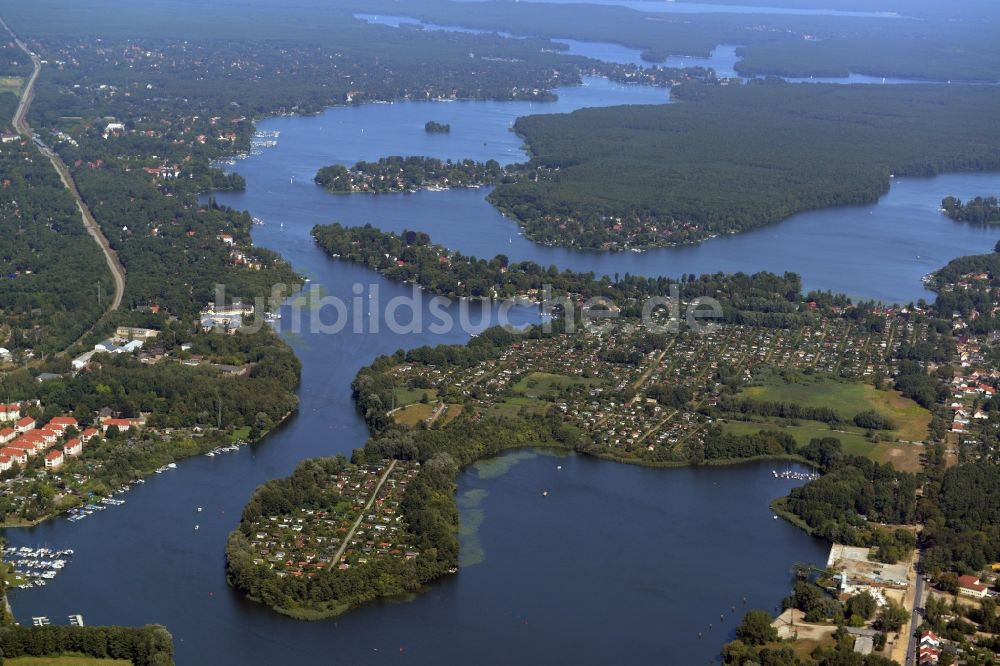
[614, 559]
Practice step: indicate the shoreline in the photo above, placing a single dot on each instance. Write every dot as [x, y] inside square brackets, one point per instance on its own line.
[25, 524]
[315, 615]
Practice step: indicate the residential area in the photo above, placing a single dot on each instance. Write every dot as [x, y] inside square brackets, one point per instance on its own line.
[357, 519]
[654, 400]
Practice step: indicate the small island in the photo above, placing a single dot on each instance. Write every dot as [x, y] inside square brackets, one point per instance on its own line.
[981, 210]
[409, 174]
[432, 127]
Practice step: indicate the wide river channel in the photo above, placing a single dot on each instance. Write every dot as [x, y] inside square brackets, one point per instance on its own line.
[616, 560]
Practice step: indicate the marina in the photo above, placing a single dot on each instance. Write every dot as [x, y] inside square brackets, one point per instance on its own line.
[35, 567]
[234, 447]
[795, 475]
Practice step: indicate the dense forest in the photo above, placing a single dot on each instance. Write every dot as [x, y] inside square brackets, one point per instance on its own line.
[50, 268]
[653, 175]
[962, 514]
[352, 62]
[151, 645]
[170, 246]
[852, 492]
[980, 210]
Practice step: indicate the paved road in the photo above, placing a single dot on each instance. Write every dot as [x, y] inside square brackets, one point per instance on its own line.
[20, 123]
[364, 512]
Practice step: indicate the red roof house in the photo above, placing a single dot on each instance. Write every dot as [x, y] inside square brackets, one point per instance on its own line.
[54, 459]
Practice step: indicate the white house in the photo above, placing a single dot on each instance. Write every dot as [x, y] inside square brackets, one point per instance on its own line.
[969, 586]
[54, 459]
[81, 361]
[10, 412]
[73, 447]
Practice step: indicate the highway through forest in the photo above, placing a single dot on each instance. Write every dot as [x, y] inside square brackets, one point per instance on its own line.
[21, 125]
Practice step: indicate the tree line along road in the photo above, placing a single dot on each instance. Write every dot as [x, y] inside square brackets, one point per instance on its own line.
[21, 125]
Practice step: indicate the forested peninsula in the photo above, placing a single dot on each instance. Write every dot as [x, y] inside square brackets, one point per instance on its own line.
[726, 159]
[305, 549]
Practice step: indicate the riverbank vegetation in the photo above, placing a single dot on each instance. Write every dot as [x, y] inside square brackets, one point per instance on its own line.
[151, 645]
[980, 210]
[643, 176]
[762, 299]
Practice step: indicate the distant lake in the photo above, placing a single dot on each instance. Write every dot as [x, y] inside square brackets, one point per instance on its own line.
[670, 7]
[723, 58]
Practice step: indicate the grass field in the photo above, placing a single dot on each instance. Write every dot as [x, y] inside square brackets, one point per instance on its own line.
[853, 440]
[412, 415]
[511, 407]
[450, 415]
[11, 84]
[408, 396]
[847, 399]
[536, 384]
[66, 660]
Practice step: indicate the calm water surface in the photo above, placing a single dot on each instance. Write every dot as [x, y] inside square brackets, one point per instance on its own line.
[722, 59]
[878, 251]
[612, 551]
[670, 7]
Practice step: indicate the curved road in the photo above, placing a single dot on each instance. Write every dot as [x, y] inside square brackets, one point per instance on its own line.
[21, 125]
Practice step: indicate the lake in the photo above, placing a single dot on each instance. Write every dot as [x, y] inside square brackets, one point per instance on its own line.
[722, 59]
[614, 556]
[671, 7]
[878, 251]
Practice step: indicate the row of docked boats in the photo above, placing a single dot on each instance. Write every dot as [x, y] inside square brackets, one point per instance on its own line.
[232, 448]
[34, 567]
